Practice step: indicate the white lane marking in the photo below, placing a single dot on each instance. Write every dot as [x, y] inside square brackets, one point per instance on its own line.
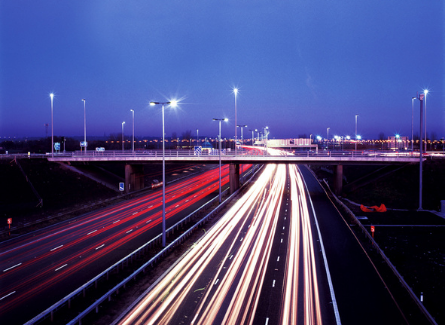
[129, 231]
[284, 228]
[91, 232]
[134, 213]
[148, 221]
[216, 281]
[230, 257]
[242, 238]
[100, 246]
[278, 259]
[328, 273]
[150, 207]
[195, 196]
[281, 240]
[60, 267]
[7, 295]
[267, 320]
[187, 200]
[10, 268]
[176, 206]
[55, 248]
[273, 284]
[117, 221]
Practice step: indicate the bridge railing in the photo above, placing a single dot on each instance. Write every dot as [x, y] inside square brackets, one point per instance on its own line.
[240, 153]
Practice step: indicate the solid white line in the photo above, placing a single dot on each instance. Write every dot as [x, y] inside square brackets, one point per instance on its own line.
[129, 231]
[100, 246]
[7, 295]
[91, 232]
[9, 268]
[328, 274]
[61, 267]
[55, 248]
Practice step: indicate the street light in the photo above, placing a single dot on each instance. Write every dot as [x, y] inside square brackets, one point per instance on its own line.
[412, 123]
[132, 143]
[197, 138]
[84, 126]
[235, 91]
[252, 135]
[356, 132]
[219, 140]
[421, 98]
[52, 126]
[424, 111]
[123, 123]
[172, 103]
[242, 137]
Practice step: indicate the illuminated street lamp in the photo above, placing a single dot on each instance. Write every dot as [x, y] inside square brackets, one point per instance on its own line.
[242, 137]
[424, 111]
[235, 91]
[252, 135]
[172, 103]
[123, 123]
[52, 125]
[197, 138]
[84, 126]
[412, 123]
[356, 132]
[132, 143]
[219, 140]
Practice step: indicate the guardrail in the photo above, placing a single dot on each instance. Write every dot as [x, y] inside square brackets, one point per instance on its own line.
[240, 153]
[125, 261]
[385, 258]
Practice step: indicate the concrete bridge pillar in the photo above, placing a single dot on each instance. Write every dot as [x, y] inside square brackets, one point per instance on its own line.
[338, 179]
[134, 177]
[234, 177]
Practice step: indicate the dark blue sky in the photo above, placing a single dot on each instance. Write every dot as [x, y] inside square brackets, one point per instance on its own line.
[300, 66]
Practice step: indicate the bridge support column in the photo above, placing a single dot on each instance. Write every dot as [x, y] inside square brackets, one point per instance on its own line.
[234, 177]
[338, 179]
[134, 177]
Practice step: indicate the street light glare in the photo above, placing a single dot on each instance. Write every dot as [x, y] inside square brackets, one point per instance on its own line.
[173, 103]
[226, 119]
[51, 95]
[425, 91]
[235, 90]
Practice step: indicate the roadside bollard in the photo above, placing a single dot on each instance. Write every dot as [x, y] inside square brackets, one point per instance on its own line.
[372, 231]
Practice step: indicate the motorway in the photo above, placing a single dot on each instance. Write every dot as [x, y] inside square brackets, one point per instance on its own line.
[39, 269]
[260, 264]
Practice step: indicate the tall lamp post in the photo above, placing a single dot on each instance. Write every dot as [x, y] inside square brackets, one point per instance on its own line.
[424, 111]
[356, 115]
[219, 140]
[172, 104]
[252, 135]
[242, 137]
[132, 142]
[123, 123]
[84, 126]
[412, 123]
[52, 125]
[421, 98]
[235, 91]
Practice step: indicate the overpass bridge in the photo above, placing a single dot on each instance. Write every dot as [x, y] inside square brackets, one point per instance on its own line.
[135, 160]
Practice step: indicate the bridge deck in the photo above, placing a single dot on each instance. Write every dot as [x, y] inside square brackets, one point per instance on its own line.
[183, 156]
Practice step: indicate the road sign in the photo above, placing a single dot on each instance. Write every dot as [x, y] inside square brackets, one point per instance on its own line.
[9, 221]
[84, 144]
[57, 146]
[121, 186]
